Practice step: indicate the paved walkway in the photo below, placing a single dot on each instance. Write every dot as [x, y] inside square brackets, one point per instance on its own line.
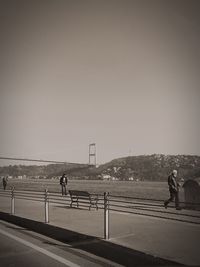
[173, 240]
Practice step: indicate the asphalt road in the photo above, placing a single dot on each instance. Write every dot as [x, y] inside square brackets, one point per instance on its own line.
[20, 247]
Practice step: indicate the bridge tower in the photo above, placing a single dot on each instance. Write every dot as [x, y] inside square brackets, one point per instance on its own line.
[92, 154]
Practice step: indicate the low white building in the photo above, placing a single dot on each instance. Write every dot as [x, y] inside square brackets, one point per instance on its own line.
[106, 177]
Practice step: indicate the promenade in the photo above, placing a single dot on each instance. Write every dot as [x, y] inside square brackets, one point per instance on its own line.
[169, 239]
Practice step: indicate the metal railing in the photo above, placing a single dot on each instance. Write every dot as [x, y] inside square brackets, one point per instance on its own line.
[155, 208]
[108, 203]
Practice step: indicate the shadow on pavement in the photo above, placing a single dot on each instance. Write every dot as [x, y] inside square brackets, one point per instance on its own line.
[91, 244]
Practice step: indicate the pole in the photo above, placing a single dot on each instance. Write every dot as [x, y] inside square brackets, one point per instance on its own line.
[106, 215]
[12, 201]
[46, 201]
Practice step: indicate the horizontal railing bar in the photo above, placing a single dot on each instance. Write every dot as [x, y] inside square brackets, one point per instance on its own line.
[29, 191]
[85, 206]
[192, 204]
[6, 190]
[150, 205]
[74, 205]
[32, 199]
[5, 195]
[156, 216]
[16, 196]
[128, 202]
[59, 200]
[138, 198]
[59, 192]
[56, 202]
[147, 204]
[126, 207]
[82, 198]
[59, 197]
[150, 199]
[34, 196]
[55, 192]
[160, 211]
[101, 199]
[56, 195]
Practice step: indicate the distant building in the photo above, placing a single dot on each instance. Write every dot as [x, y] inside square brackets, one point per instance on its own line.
[114, 178]
[106, 177]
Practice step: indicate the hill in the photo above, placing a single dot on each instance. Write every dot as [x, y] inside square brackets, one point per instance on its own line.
[44, 171]
[146, 167]
[153, 167]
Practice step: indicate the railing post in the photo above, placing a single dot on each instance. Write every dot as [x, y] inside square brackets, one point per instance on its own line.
[12, 201]
[46, 201]
[106, 215]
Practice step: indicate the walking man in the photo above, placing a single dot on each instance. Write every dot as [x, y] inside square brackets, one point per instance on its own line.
[63, 183]
[5, 181]
[173, 190]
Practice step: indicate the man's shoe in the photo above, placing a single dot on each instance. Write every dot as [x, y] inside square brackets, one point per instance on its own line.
[178, 208]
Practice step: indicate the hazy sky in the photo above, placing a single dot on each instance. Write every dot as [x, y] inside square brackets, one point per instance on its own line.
[123, 74]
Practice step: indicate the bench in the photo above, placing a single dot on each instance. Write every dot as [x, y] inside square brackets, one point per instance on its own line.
[77, 195]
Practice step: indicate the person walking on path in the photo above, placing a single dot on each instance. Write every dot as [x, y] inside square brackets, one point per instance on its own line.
[173, 190]
[5, 181]
[63, 183]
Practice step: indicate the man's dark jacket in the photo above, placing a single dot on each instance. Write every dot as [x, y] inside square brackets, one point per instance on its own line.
[173, 184]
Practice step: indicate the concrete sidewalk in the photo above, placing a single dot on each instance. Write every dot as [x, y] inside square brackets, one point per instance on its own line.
[176, 241]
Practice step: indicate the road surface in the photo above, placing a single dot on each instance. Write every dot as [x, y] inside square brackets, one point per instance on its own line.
[20, 247]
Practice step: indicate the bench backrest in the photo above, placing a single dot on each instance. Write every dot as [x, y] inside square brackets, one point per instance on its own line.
[79, 193]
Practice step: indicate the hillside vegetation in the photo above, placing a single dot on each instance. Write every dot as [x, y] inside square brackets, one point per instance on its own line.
[153, 167]
[147, 167]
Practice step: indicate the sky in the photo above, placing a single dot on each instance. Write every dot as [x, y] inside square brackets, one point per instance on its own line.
[121, 74]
